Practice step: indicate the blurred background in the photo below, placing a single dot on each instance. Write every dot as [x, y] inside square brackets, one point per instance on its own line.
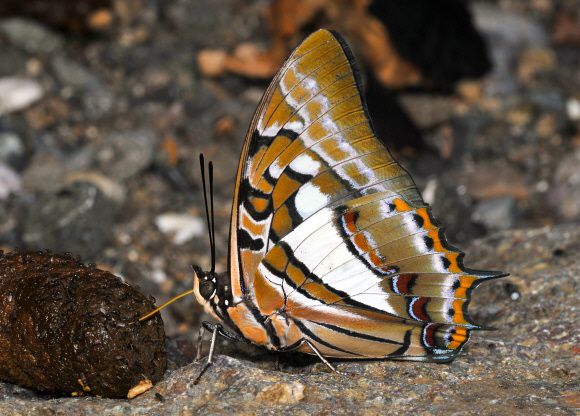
[106, 104]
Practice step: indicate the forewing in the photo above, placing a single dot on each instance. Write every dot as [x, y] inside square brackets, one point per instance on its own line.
[309, 143]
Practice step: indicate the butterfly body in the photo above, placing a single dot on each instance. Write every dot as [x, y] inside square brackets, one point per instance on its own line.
[332, 249]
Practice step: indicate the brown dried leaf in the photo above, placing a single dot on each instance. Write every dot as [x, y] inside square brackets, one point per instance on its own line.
[251, 61]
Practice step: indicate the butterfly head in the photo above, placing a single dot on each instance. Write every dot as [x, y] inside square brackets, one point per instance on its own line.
[204, 285]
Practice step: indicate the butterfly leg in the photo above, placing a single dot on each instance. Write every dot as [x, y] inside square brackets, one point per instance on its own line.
[199, 342]
[324, 360]
[215, 329]
[209, 362]
[207, 326]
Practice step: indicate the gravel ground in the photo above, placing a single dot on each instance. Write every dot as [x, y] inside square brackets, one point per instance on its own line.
[527, 366]
[99, 140]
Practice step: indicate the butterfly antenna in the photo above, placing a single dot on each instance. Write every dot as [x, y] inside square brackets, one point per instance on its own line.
[208, 218]
[212, 217]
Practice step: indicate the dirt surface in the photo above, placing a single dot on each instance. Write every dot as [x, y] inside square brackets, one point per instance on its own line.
[527, 366]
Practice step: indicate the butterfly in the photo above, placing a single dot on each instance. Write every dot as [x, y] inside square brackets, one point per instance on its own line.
[332, 250]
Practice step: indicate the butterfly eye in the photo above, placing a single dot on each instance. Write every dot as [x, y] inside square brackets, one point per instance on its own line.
[207, 288]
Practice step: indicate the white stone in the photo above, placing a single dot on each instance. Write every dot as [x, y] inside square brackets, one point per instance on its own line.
[183, 227]
[18, 93]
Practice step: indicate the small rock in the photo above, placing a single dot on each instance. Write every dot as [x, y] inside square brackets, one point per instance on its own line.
[12, 150]
[489, 180]
[18, 93]
[496, 213]
[183, 227]
[123, 155]
[96, 98]
[549, 100]
[71, 73]
[573, 109]
[48, 172]
[77, 219]
[9, 181]
[211, 18]
[565, 193]
[30, 35]
[520, 115]
[98, 103]
[44, 173]
[13, 61]
[546, 125]
[535, 60]
[428, 110]
[48, 113]
[8, 233]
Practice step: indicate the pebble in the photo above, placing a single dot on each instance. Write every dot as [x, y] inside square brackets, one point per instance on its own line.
[124, 154]
[77, 219]
[13, 61]
[71, 73]
[97, 103]
[565, 193]
[8, 237]
[47, 172]
[533, 61]
[12, 150]
[182, 227]
[95, 96]
[549, 100]
[496, 213]
[31, 36]
[9, 181]
[428, 110]
[573, 109]
[18, 93]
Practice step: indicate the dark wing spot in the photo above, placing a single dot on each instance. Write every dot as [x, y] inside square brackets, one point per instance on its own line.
[418, 220]
[246, 241]
[428, 242]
